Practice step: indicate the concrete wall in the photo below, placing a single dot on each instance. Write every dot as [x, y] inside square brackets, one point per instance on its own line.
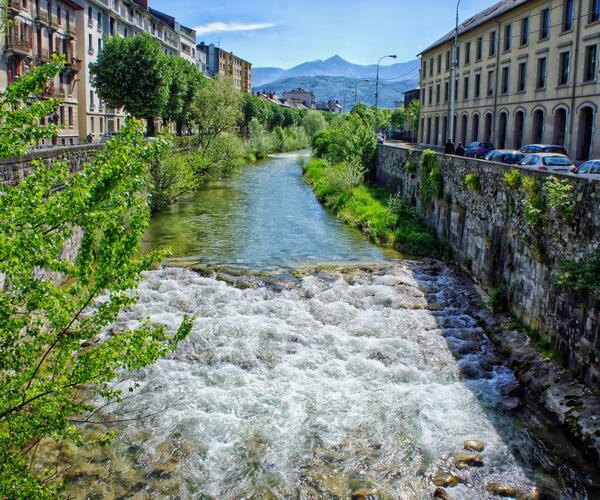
[14, 170]
[487, 232]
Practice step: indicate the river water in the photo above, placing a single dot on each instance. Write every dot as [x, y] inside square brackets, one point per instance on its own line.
[319, 366]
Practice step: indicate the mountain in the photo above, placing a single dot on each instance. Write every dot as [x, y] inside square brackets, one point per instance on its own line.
[336, 66]
[337, 88]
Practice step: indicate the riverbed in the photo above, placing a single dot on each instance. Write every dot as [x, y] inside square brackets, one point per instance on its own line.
[320, 366]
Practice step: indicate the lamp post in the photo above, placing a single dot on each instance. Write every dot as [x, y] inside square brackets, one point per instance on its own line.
[453, 78]
[356, 88]
[391, 56]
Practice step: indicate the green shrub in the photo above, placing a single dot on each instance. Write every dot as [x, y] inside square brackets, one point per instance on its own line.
[172, 177]
[513, 179]
[582, 276]
[498, 301]
[473, 182]
[560, 196]
[410, 167]
[432, 183]
[344, 176]
[534, 205]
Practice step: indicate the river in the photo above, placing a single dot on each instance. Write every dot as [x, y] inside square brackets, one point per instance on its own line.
[319, 366]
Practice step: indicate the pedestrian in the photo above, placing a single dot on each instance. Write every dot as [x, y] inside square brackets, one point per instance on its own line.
[460, 150]
[90, 138]
[449, 148]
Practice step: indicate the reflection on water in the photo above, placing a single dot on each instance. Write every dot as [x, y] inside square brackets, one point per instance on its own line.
[265, 216]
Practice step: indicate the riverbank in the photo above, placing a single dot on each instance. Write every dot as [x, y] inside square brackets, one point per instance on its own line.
[373, 209]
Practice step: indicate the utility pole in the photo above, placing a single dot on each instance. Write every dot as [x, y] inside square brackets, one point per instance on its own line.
[392, 56]
[453, 79]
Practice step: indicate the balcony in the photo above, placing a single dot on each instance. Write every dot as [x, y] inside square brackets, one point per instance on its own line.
[54, 91]
[22, 47]
[15, 5]
[41, 16]
[73, 65]
[53, 22]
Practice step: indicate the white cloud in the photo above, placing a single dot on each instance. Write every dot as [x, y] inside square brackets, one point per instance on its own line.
[220, 27]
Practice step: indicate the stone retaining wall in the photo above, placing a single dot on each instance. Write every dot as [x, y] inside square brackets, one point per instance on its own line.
[14, 170]
[488, 234]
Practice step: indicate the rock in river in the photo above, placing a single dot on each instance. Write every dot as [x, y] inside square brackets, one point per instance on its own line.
[464, 460]
[503, 490]
[473, 445]
[445, 479]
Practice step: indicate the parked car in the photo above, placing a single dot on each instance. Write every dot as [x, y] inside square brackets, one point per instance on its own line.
[107, 136]
[478, 149]
[507, 156]
[551, 162]
[544, 148]
[589, 167]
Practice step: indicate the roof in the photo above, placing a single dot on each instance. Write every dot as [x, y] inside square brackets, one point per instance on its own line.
[165, 18]
[477, 20]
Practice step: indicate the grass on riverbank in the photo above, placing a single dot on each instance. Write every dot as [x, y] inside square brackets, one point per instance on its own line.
[384, 217]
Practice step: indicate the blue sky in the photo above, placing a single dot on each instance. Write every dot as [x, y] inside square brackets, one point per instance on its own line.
[288, 32]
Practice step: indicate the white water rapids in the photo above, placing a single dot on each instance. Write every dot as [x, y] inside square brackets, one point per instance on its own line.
[353, 380]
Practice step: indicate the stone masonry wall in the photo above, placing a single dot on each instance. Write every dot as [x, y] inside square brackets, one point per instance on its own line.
[14, 170]
[487, 232]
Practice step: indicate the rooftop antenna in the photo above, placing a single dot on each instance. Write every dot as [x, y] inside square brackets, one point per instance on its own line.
[219, 43]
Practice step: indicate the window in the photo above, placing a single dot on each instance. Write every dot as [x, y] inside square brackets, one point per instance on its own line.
[90, 44]
[70, 114]
[567, 24]
[525, 31]
[99, 44]
[92, 124]
[594, 11]
[456, 89]
[62, 117]
[477, 86]
[448, 62]
[522, 83]
[58, 16]
[589, 70]
[490, 87]
[457, 55]
[439, 64]
[466, 88]
[541, 73]
[99, 20]
[507, 37]
[431, 67]
[563, 68]
[430, 95]
[545, 24]
[479, 48]
[90, 16]
[92, 105]
[492, 43]
[437, 93]
[505, 80]
[446, 91]
[468, 53]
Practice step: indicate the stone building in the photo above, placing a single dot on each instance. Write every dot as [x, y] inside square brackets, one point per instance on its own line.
[527, 73]
[220, 63]
[37, 29]
[305, 96]
[103, 19]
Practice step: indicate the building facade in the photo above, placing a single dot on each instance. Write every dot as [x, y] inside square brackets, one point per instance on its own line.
[100, 21]
[527, 72]
[220, 63]
[305, 96]
[37, 29]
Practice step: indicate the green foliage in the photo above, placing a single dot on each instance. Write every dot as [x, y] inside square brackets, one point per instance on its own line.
[410, 166]
[513, 179]
[413, 114]
[313, 122]
[384, 119]
[534, 205]
[172, 177]
[133, 73]
[559, 194]
[473, 182]
[21, 111]
[582, 276]
[385, 218]
[55, 352]
[498, 300]
[397, 118]
[432, 183]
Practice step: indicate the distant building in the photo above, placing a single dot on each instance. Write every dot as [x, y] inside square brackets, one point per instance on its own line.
[410, 96]
[225, 64]
[330, 106]
[304, 96]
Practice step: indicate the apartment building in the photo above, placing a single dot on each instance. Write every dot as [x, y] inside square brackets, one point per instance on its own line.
[225, 64]
[36, 30]
[103, 19]
[527, 72]
[306, 97]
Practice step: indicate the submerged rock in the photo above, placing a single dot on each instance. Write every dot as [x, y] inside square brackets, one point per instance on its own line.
[464, 460]
[503, 490]
[445, 479]
[441, 493]
[473, 445]
[364, 494]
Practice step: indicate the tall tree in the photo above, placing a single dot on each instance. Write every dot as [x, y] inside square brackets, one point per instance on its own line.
[133, 73]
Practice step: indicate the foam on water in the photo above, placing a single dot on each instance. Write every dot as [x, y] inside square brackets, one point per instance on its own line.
[389, 373]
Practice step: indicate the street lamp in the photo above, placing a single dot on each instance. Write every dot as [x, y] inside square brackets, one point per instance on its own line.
[355, 88]
[392, 56]
[453, 78]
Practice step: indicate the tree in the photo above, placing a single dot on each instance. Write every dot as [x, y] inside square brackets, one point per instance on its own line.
[313, 122]
[398, 118]
[216, 109]
[133, 73]
[55, 352]
[413, 113]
